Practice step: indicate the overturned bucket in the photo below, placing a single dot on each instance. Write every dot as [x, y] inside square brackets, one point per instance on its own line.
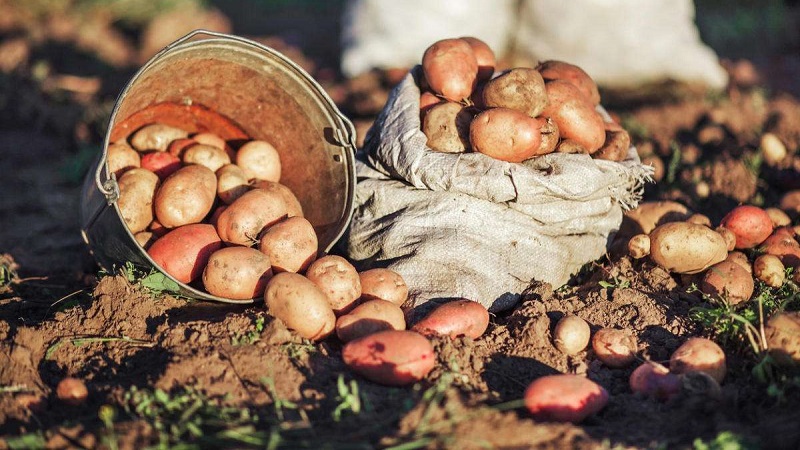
[237, 89]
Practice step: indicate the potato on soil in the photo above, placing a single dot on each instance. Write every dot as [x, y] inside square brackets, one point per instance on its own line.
[770, 270]
[162, 164]
[156, 136]
[699, 355]
[446, 125]
[741, 259]
[521, 89]
[290, 244]
[455, 318]
[614, 347]
[783, 244]
[560, 70]
[571, 335]
[451, 68]
[564, 398]
[653, 380]
[648, 215]
[639, 246]
[383, 284]
[728, 280]
[682, 247]
[238, 273]
[751, 225]
[206, 155]
[392, 357]
[243, 220]
[576, 118]
[184, 251]
[137, 190]
[293, 206]
[187, 196]
[121, 158]
[72, 391]
[260, 160]
[370, 317]
[484, 55]
[783, 337]
[300, 304]
[231, 183]
[338, 279]
[506, 134]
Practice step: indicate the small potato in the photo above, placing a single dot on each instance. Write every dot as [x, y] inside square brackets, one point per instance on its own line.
[616, 145]
[237, 273]
[260, 161]
[162, 164]
[729, 236]
[451, 68]
[653, 380]
[790, 202]
[231, 183]
[137, 189]
[783, 245]
[770, 270]
[383, 284]
[506, 134]
[751, 225]
[778, 217]
[156, 136]
[699, 355]
[521, 89]
[560, 70]
[575, 116]
[613, 347]
[446, 125]
[484, 55]
[391, 357]
[700, 219]
[564, 398]
[773, 150]
[206, 155]
[370, 317]
[682, 247]
[243, 220]
[72, 391]
[293, 206]
[648, 215]
[338, 279]
[783, 338]
[455, 318]
[121, 158]
[639, 246]
[728, 280]
[157, 229]
[184, 251]
[290, 244]
[571, 335]
[741, 259]
[300, 304]
[187, 196]
[210, 139]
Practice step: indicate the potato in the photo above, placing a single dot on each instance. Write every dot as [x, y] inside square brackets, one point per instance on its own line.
[162, 164]
[211, 139]
[616, 145]
[699, 355]
[451, 68]
[484, 55]
[145, 239]
[729, 236]
[683, 247]
[300, 304]
[571, 335]
[184, 251]
[157, 229]
[178, 146]
[383, 284]
[783, 337]
[521, 89]
[231, 183]
[778, 217]
[206, 155]
[506, 134]
[773, 150]
[446, 126]
[550, 136]
[741, 259]
[137, 189]
[770, 270]
[238, 273]
[72, 391]
[187, 196]
[653, 380]
[156, 136]
[243, 220]
[370, 317]
[613, 347]
[790, 203]
[728, 280]
[782, 244]
[700, 219]
[639, 246]
[338, 279]
[455, 318]
[290, 244]
[560, 70]
[293, 206]
[259, 160]
[751, 225]
[391, 357]
[427, 100]
[121, 158]
[564, 398]
[576, 118]
[648, 215]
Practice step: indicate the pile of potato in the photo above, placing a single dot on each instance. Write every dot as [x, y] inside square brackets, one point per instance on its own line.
[516, 115]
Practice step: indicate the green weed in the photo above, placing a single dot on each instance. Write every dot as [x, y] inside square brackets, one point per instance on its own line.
[348, 399]
[725, 440]
[152, 281]
[251, 336]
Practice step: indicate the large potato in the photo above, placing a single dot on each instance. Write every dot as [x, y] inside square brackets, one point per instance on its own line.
[751, 225]
[728, 280]
[699, 355]
[338, 279]
[290, 244]
[156, 136]
[560, 70]
[184, 251]
[300, 304]
[506, 134]
[137, 189]
[392, 357]
[242, 222]
[575, 116]
[564, 398]
[521, 89]
[446, 126]
[383, 284]
[231, 183]
[187, 196]
[683, 247]
[450, 68]
[237, 273]
[370, 317]
[293, 206]
[260, 161]
[455, 318]
[121, 158]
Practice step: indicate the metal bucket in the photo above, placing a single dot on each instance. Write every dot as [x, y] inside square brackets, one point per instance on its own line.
[238, 89]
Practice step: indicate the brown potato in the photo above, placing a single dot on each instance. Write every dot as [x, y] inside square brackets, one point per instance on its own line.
[300, 304]
[210, 139]
[231, 183]
[571, 335]
[783, 244]
[156, 136]
[616, 145]
[177, 147]
[550, 136]
[427, 100]
[613, 347]
[121, 158]
[683, 247]
[741, 259]
[243, 220]
[293, 206]
[506, 134]
[137, 189]
[783, 337]
[648, 215]
[206, 155]
[484, 55]
[260, 161]
[451, 68]
[370, 317]
[237, 273]
[72, 391]
[730, 238]
[290, 244]
[447, 127]
[575, 116]
[383, 284]
[455, 318]
[338, 279]
[728, 280]
[560, 70]
[639, 246]
[521, 89]
[184, 251]
[187, 196]
[778, 217]
[770, 270]
[699, 355]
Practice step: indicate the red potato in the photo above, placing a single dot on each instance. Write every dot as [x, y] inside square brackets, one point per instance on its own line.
[243, 220]
[370, 317]
[383, 284]
[187, 196]
[300, 304]
[290, 244]
[571, 335]
[455, 318]
[699, 355]
[451, 68]
[156, 136]
[121, 158]
[576, 118]
[184, 251]
[72, 391]
[655, 381]
[338, 279]
[506, 134]
[564, 398]
[751, 225]
[521, 89]
[392, 357]
[560, 70]
[484, 55]
[427, 100]
[162, 164]
[260, 160]
[728, 280]
[238, 273]
[613, 347]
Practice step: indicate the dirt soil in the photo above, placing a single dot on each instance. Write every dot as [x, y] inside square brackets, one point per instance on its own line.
[163, 371]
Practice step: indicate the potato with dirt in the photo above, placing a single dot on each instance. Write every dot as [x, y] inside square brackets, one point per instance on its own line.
[187, 196]
[183, 252]
[231, 183]
[370, 317]
[391, 357]
[238, 273]
[564, 398]
[575, 116]
[137, 191]
[506, 134]
[571, 335]
[293, 205]
[291, 245]
[451, 68]
[728, 280]
[654, 380]
[616, 145]
[446, 125]
[243, 221]
[686, 248]
[614, 347]
[521, 89]
[783, 338]
[699, 354]
[300, 304]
